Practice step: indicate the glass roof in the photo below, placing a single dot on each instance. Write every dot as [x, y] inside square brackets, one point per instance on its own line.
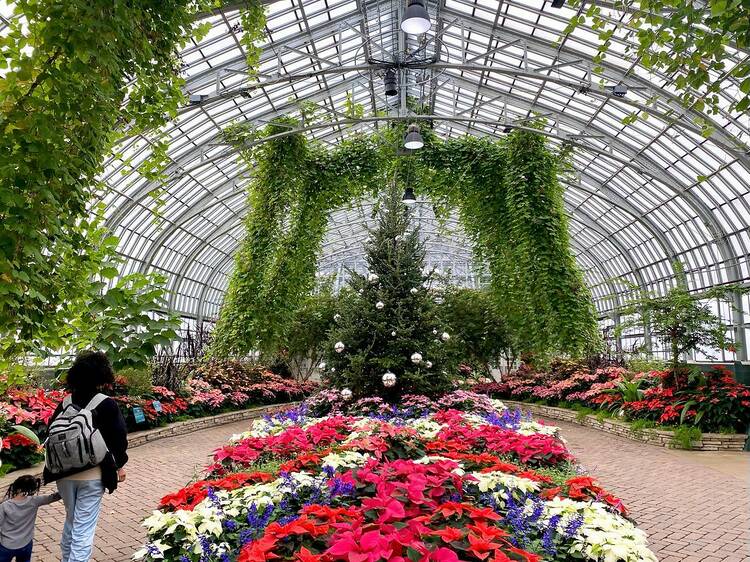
[643, 194]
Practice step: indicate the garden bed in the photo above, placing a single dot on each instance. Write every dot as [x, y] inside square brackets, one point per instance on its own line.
[215, 388]
[138, 438]
[462, 478]
[652, 436]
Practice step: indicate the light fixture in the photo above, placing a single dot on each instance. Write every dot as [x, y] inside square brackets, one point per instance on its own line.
[409, 198]
[413, 139]
[620, 90]
[390, 83]
[558, 3]
[507, 129]
[197, 99]
[416, 19]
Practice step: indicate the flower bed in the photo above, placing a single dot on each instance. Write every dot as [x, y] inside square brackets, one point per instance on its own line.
[712, 402]
[200, 397]
[364, 482]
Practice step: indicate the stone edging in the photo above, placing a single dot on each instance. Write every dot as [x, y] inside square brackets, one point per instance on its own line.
[138, 438]
[658, 437]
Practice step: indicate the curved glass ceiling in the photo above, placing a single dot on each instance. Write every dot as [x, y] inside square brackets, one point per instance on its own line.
[644, 194]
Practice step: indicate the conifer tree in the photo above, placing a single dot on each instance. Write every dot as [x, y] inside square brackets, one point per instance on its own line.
[387, 321]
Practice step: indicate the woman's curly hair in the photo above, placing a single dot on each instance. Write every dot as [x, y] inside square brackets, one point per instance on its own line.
[90, 371]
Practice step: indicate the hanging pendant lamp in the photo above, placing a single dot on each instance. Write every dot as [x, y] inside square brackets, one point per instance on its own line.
[413, 139]
[416, 19]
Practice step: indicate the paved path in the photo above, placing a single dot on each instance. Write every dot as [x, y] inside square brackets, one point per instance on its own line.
[694, 506]
[154, 470]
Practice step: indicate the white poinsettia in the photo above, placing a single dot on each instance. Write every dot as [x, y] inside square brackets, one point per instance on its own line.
[532, 427]
[603, 535]
[154, 549]
[430, 459]
[345, 459]
[426, 428]
[263, 428]
[489, 481]
[498, 405]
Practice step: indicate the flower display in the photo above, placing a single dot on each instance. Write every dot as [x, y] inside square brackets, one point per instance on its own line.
[411, 481]
[713, 401]
[214, 387]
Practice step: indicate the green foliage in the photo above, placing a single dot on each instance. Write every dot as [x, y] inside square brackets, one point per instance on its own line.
[66, 69]
[630, 391]
[645, 364]
[559, 473]
[119, 315]
[305, 339]
[479, 334]
[682, 320]
[295, 185]
[690, 40]
[253, 20]
[685, 436]
[137, 381]
[510, 201]
[507, 195]
[381, 340]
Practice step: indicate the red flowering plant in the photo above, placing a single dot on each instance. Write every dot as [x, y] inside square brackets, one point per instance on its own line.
[435, 487]
[19, 451]
[711, 402]
[32, 407]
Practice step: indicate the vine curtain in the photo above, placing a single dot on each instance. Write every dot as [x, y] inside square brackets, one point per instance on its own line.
[507, 195]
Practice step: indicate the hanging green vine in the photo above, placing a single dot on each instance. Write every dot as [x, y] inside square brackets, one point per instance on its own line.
[70, 64]
[506, 192]
[75, 75]
[295, 185]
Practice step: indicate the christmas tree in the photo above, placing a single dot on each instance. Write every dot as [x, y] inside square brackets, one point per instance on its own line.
[387, 329]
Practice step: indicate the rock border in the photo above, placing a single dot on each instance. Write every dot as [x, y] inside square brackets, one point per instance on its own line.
[660, 438]
[138, 438]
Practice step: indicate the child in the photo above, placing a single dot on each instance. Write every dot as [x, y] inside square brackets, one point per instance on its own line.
[17, 518]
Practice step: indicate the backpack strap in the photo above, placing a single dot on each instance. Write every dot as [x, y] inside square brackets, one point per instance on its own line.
[95, 401]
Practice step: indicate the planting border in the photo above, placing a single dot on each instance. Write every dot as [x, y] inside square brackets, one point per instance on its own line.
[138, 438]
[658, 437]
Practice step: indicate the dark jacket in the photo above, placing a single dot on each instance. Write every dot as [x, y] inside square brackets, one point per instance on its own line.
[108, 420]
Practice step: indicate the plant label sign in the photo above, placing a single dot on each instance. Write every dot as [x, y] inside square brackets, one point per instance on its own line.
[139, 415]
[157, 407]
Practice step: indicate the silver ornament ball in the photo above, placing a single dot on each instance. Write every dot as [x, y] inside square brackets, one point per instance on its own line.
[339, 347]
[445, 336]
[416, 358]
[389, 379]
[346, 394]
[380, 305]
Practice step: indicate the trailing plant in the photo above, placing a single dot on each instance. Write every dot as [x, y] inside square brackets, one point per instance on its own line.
[506, 193]
[295, 185]
[692, 41]
[68, 68]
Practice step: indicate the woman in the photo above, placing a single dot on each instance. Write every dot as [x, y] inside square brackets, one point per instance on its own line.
[82, 489]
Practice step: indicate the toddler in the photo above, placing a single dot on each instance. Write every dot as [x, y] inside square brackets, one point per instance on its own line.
[17, 518]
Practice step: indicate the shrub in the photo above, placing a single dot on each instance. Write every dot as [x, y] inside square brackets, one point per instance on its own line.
[137, 381]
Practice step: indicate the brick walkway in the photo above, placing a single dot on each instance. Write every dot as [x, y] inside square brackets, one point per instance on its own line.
[694, 506]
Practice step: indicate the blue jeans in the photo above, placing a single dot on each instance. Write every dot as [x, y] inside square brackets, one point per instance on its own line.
[82, 499]
[21, 554]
